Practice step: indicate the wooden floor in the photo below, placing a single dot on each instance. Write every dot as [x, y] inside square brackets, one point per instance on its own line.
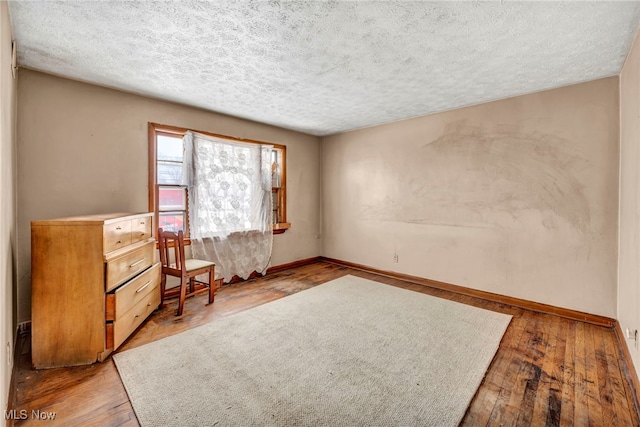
[548, 371]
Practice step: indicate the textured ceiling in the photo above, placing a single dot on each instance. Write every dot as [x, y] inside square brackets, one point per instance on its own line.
[325, 67]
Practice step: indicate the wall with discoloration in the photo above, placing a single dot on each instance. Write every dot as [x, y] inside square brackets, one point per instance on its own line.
[517, 197]
[629, 270]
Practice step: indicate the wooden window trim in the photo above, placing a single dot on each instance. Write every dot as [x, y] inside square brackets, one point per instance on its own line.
[156, 129]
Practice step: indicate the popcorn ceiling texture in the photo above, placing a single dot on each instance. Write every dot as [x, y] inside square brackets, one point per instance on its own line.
[325, 67]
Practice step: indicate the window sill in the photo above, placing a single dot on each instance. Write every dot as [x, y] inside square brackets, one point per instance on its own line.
[277, 229]
[281, 227]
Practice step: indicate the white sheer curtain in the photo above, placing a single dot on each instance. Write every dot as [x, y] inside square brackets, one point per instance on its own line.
[229, 203]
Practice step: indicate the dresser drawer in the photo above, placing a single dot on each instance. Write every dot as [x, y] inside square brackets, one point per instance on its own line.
[124, 267]
[117, 235]
[126, 323]
[140, 229]
[132, 292]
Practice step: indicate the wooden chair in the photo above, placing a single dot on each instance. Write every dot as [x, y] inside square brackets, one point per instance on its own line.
[185, 269]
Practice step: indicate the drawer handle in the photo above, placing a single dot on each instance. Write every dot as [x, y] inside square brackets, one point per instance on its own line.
[143, 286]
[119, 242]
[137, 262]
[136, 316]
[118, 228]
[141, 222]
[142, 234]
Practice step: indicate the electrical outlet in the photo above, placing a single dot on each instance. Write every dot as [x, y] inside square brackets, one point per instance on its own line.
[395, 257]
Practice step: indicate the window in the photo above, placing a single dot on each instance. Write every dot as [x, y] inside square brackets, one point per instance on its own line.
[277, 187]
[172, 195]
[168, 198]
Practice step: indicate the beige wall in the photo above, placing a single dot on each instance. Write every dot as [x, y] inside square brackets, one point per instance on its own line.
[629, 270]
[83, 149]
[517, 197]
[7, 206]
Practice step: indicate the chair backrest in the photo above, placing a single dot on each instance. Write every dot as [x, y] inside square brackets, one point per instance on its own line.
[169, 242]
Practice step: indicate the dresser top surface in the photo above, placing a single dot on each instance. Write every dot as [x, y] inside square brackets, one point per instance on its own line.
[95, 219]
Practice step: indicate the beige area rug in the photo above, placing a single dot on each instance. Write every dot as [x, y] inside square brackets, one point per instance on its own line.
[350, 352]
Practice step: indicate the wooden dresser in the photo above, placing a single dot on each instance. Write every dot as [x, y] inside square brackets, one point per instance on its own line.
[94, 281]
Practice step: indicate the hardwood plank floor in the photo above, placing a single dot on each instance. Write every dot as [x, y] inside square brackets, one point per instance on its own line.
[548, 371]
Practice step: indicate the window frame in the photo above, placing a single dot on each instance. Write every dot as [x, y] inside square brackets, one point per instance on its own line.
[156, 129]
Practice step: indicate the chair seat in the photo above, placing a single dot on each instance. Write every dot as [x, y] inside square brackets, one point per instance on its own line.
[195, 264]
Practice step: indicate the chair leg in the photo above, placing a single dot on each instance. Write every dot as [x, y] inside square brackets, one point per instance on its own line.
[183, 293]
[212, 286]
[163, 285]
